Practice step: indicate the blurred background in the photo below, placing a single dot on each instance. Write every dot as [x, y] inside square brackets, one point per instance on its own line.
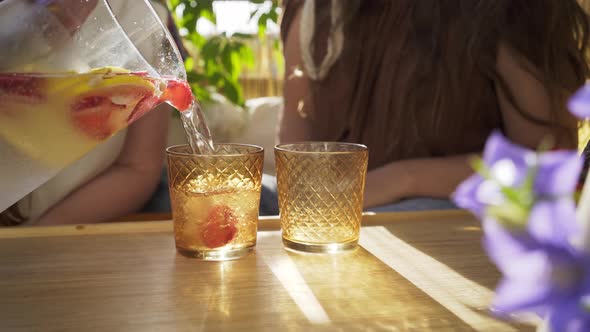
[235, 67]
[233, 46]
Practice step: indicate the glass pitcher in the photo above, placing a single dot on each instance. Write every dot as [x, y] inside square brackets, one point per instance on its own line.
[72, 74]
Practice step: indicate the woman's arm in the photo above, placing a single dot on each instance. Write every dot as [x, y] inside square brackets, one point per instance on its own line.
[125, 186]
[429, 177]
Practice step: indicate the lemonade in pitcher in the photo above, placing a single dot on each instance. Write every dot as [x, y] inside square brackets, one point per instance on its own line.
[54, 119]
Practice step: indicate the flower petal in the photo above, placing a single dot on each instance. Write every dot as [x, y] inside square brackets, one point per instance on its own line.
[502, 245]
[537, 280]
[568, 316]
[579, 103]
[533, 266]
[559, 172]
[553, 221]
[466, 195]
[513, 296]
[498, 147]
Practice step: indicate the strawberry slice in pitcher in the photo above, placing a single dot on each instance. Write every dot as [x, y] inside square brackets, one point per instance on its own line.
[23, 85]
[112, 104]
[92, 114]
[179, 94]
[220, 227]
[144, 106]
[20, 89]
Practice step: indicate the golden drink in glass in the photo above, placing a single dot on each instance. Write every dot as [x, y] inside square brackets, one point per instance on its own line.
[215, 200]
[320, 188]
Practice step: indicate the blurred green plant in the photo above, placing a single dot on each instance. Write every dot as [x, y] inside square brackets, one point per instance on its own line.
[214, 63]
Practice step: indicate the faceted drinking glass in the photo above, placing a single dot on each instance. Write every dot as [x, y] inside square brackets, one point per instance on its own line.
[320, 188]
[215, 200]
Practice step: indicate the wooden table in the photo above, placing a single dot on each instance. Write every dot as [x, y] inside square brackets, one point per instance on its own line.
[414, 272]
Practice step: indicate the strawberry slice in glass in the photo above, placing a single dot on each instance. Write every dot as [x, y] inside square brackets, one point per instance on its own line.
[220, 227]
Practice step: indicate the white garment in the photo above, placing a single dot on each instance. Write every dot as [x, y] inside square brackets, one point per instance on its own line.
[93, 163]
[71, 177]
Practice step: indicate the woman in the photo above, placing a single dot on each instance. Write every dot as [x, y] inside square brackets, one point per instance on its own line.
[423, 83]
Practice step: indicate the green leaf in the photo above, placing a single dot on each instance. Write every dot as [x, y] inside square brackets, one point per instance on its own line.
[216, 79]
[236, 64]
[197, 40]
[233, 92]
[172, 4]
[247, 56]
[253, 13]
[273, 15]
[189, 22]
[511, 216]
[194, 78]
[517, 196]
[226, 60]
[262, 19]
[210, 49]
[209, 15]
[189, 64]
[205, 10]
[202, 94]
[262, 25]
[240, 35]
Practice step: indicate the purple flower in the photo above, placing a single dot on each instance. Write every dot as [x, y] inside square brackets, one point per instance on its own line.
[572, 314]
[525, 201]
[498, 148]
[542, 272]
[502, 244]
[536, 279]
[550, 223]
[553, 221]
[558, 173]
[579, 103]
[471, 196]
[551, 281]
[541, 280]
[509, 165]
[507, 162]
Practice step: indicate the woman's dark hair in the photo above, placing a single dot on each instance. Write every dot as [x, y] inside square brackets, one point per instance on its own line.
[538, 32]
[419, 78]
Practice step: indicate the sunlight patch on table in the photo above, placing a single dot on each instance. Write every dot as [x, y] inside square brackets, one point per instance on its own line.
[285, 270]
[456, 293]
